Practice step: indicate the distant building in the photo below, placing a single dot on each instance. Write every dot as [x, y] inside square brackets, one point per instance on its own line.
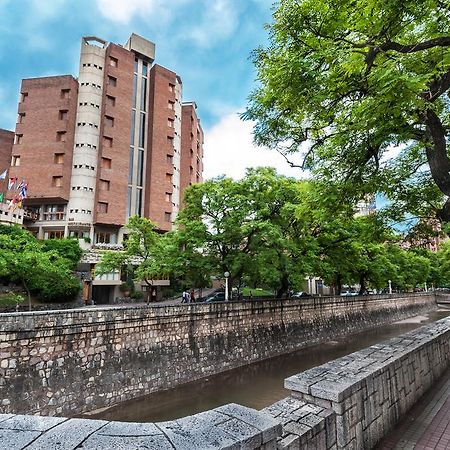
[366, 207]
[93, 151]
[426, 234]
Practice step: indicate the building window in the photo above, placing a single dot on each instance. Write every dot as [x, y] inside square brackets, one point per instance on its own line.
[102, 238]
[169, 177]
[105, 163]
[170, 141]
[110, 100]
[15, 160]
[23, 96]
[65, 93]
[20, 117]
[55, 234]
[63, 113]
[57, 181]
[113, 62]
[61, 136]
[167, 216]
[102, 207]
[140, 167]
[107, 142]
[59, 158]
[142, 130]
[54, 212]
[112, 81]
[130, 164]
[170, 123]
[168, 197]
[104, 185]
[171, 87]
[144, 68]
[171, 104]
[169, 159]
[138, 201]
[109, 121]
[18, 139]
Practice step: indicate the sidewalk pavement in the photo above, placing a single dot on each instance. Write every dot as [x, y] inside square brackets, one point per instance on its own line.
[427, 424]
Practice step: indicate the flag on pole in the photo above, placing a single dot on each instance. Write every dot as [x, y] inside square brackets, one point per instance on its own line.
[11, 183]
[3, 175]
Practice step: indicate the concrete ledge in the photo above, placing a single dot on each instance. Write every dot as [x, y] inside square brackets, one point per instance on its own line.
[228, 427]
[370, 390]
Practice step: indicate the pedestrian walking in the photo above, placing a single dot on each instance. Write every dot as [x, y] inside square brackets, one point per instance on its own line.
[192, 296]
[185, 297]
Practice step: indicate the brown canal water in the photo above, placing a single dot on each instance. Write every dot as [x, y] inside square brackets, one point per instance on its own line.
[256, 385]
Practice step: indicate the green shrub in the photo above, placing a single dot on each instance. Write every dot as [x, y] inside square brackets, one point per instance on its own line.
[11, 299]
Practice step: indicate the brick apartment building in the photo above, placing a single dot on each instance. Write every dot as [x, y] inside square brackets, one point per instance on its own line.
[116, 142]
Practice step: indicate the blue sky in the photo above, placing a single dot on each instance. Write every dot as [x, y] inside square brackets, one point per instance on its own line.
[207, 42]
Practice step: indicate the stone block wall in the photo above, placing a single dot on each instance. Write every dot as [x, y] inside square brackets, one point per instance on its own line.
[370, 390]
[74, 361]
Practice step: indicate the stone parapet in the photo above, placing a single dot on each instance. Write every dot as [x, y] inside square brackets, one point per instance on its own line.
[370, 390]
[75, 361]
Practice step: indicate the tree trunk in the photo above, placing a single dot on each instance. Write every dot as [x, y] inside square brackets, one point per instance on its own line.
[28, 293]
[438, 159]
[362, 284]
[284, 286]
[338, 284]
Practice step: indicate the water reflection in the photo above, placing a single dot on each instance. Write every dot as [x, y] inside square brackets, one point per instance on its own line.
[257, 385]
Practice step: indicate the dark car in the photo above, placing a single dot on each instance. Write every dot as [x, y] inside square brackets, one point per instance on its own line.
[300, 295]
[217, 297]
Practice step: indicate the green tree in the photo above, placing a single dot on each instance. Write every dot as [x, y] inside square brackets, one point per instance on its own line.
[68, 249]
[146, 250]
[353, 79]
[42, 272]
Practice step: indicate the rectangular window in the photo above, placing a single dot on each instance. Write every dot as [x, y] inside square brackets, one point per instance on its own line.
[133, 126]
[107, 142]
[138, 201]
[140, 168]
[105, 163]
[168, 197]
[59, 158]
[170, 123]
[169, 159]
[57, 181]
[54, 212]
[63, 113]
[171, 105]
[134, 90]
[102, 207]
[143, 94]
[113, 62]
[65, 93]
[144, 68]
[170, 141]
[55, 234]
[110, 100]
[15, 160]
[169, 177]
[18, 139]
[61, 136]
[102, 238]
[23, 96]
[130, 166]
[109, 121]
[171, 87]
[104, 185]
[167, 216]
[142, 130]
[136, 61]
[20, 117]
[129, 201]
[112, 81]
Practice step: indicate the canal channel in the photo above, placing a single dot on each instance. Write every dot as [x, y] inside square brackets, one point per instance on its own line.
[257, 385]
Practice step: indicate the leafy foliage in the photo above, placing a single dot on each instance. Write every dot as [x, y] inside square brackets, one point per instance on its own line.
[346, 82]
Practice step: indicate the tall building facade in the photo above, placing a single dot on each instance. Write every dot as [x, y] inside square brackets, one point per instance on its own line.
[106, 146]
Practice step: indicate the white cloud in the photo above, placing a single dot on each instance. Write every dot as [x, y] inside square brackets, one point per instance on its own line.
[218, 21]
[229, 150]
[123, 11]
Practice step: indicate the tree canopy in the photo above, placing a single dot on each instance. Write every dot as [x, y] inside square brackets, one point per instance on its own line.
[347, 81]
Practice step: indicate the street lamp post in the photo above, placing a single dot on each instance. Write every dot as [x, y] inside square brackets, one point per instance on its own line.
[390, 286]
[226, 275]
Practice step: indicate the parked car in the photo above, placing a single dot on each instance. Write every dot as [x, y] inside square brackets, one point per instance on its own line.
[300, 295]
[216, 297]
[348, 294]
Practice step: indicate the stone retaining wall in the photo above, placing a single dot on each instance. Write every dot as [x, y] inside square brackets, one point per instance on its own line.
[70, 362]
[349, 403]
